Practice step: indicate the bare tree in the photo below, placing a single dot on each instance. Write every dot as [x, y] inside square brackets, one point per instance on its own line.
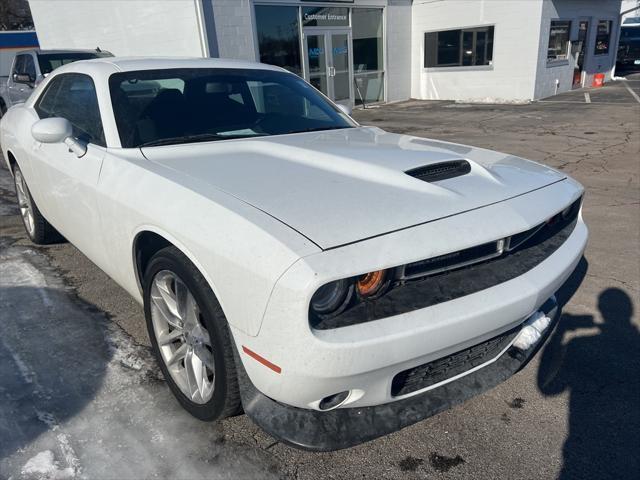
[15, 15]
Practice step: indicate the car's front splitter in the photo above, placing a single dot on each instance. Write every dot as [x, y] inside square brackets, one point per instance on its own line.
[346, 427]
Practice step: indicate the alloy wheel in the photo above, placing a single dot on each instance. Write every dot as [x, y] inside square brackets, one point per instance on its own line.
[24, 203]
[183, 340]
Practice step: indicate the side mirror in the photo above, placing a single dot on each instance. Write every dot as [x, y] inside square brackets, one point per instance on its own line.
[57, 130]
[52, 130]
[345, 109]
[23, 78]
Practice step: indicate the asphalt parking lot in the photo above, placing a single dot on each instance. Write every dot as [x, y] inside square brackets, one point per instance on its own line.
[80, 395]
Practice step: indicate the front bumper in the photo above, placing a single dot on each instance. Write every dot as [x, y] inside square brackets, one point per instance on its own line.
[365, 358]
[347, 427]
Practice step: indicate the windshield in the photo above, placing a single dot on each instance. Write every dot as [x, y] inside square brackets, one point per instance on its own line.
[163, 107]
[50, 61]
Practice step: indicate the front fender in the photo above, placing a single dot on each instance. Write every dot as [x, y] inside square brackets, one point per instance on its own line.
[240, 251]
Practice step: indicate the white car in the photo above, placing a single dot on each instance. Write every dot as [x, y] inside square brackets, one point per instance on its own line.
[336, 281]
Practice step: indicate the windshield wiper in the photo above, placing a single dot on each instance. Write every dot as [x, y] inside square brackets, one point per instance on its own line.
[201, 137]
[319, 129]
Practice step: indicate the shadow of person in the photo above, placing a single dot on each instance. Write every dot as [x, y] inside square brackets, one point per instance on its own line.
[53, 358]
[599, 368]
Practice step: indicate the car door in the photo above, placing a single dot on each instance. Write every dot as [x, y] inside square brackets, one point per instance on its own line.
[69, 182]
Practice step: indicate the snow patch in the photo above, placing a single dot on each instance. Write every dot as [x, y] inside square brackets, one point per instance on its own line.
[494, 101]
[68, 453]
[532, 331]
[43, 466]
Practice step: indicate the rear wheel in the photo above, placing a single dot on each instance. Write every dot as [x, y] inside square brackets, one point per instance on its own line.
[190, 337]
[39, 230]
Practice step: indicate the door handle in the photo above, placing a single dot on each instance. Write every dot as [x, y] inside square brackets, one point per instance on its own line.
[332, 71]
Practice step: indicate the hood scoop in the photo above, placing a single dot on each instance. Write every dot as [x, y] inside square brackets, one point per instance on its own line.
[440, 171]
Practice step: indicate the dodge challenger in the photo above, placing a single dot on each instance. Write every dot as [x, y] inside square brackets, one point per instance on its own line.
[335, 281]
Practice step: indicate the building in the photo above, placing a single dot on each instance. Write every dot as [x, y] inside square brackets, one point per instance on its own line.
[16, 32]
[630, 11]
[369, 51]
[12, 41]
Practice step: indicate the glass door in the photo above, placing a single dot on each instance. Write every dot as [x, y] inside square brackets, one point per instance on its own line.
[329, 65]
[317, 62]
[583, 32]
[340, 70]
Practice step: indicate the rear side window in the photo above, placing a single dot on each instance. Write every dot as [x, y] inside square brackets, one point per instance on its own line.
[50, 61]
[73, 96]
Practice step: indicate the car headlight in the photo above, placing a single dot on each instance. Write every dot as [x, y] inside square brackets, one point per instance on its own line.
[333, 298]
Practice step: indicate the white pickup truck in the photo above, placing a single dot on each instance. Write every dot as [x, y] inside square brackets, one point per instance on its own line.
[30, 67]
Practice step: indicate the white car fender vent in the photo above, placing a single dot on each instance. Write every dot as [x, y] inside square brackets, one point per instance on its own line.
[440, 171]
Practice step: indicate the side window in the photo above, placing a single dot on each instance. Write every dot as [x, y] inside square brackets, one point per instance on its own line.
[29, 67]
[45, 106]
[73, 96]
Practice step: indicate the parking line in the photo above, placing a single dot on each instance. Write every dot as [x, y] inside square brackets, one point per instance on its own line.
[587, 97]
[581, 103]
[634, 94]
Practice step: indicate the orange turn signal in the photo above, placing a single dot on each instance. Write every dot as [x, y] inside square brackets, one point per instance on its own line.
[370, 283]
[262, 360]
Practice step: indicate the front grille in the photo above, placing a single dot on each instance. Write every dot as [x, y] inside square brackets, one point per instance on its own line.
[452, 260]
[440, 171]
[446, 278]
[431, 373]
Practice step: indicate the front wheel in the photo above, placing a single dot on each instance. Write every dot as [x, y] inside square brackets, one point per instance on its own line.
[39, 230]
[190, 337]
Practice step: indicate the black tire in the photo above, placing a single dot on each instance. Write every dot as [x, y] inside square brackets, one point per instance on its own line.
[3, 108]
[225, 401]
[43, 232]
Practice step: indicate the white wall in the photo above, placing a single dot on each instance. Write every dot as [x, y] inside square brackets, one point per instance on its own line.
[398, 39]
[233, 25]
[575, 10]
[628, 5]
[515, 52]
[124, 27]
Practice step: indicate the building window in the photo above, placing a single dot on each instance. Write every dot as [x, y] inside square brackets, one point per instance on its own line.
[603, 37]
[459, 48]
[558, 40]
[279, 37]
[368, 61]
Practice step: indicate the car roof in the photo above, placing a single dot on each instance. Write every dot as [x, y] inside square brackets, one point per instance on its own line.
[128, 64]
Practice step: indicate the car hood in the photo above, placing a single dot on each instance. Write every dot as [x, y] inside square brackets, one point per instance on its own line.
[341, 186]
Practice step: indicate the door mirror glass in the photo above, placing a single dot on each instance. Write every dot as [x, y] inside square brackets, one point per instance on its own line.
[52, 130]
[23, 78]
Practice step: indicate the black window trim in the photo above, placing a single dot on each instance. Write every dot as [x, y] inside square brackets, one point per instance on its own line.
[553, 62]
[100, 142]
[611, 37]
[453, 67]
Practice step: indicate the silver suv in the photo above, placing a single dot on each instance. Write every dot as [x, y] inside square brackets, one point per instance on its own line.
[30, 67]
